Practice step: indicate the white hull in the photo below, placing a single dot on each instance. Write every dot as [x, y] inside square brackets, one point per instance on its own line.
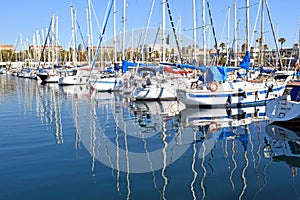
[153, 92]
[282, 109]
[108, 84]
[52, 79]
[236, 94]
[75, 77]
[73, 80]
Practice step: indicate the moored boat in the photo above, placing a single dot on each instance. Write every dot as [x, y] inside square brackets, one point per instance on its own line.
[287, 106]
[219, 92]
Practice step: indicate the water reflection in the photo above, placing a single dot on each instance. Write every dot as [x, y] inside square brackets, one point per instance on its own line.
[178, 150]
[284, 143]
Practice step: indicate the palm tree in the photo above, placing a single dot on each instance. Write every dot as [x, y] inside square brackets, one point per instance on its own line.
[244, 47]
[281, 40]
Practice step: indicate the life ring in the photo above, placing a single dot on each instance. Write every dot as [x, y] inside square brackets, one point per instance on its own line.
[213, 86]
[213, 127]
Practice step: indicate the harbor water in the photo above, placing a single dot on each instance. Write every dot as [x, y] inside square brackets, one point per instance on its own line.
[72, 143]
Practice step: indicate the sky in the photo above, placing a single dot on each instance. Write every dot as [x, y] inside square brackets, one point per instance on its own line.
[19, 17]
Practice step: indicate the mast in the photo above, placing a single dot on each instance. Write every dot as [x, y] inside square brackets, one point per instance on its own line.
[204, 32]
[247, 26]
[115, 32]
[228, 30]
[56, 40]
[261, 34]
[53, 40]
[298, 60]
[124, 29]
[274, 35]
[90, 32]
[195, 31]
[213, 30]
[234, 35]
[163, 29]
[174, 31]
[73, 37]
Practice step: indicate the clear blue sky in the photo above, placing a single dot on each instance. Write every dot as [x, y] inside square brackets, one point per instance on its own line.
[19, 16]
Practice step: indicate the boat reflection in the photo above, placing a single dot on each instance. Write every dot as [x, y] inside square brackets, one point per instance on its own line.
[221, 126]
[132, 137]
[123, 132]
[164, 148]
[44, 101]
[285, 144]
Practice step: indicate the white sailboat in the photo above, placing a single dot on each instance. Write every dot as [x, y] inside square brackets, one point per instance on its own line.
[224, 93]
[215, 90]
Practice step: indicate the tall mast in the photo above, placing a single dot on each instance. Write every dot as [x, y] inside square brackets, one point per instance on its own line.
[53, 39]
[56, 40]
[234, 35]
[124, 29]
[204, 32]
[228, 31]
[90, 32]
[298, 60]
[163, 29]
[195, 31]
[73, 36]
[247, 26]
[262, 34]
[115, 32]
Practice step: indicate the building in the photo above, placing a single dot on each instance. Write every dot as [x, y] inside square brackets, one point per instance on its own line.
[6, 47]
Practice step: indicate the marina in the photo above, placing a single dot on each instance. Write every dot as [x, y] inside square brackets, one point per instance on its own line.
[150, 110]
[72, 143]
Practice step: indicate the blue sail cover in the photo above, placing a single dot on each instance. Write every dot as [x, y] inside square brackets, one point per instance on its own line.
[216, 73]
[126, 64]
[246, 61]
[202, 68]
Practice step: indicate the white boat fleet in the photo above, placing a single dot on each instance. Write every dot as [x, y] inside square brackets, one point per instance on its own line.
[212, 87]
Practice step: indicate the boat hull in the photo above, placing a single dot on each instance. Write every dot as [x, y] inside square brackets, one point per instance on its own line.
[281, 109]
[234, 96]
[152, 93]
[107, 84]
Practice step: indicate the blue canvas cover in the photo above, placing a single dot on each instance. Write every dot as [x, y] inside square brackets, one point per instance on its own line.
[216, 73]
[246, 61]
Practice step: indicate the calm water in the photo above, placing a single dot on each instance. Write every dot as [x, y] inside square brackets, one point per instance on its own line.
[70, 143]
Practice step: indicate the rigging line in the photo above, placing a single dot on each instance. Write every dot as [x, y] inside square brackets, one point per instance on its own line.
[274, 35]
[223, 28]
[81, 35]
[43, 50]
[94, 12]
[256, 19]
[213, 29]
[155, 39]
[147, 26]
[108, 11]
[174, 31]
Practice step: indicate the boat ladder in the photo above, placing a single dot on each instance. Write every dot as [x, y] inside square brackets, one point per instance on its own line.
[283, 106]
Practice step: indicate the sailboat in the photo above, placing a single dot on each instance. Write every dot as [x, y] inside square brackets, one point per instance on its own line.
[49, 73]
[215, 89]
[107, 80]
